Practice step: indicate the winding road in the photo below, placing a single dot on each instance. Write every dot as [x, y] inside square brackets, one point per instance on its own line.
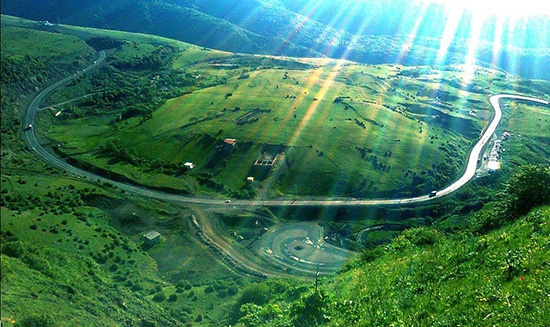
[29, 136]
[287, 248]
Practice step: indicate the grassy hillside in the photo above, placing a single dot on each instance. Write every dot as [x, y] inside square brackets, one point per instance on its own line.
[73, 252]
[295, 112]
[424, 278]
[336, 128]
[494, 272]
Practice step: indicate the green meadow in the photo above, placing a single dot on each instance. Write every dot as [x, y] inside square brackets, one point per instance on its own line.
[73, 252]
[336, 128]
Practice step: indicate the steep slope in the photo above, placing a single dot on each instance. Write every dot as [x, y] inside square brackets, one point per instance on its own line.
[494, 273]
[427, 279]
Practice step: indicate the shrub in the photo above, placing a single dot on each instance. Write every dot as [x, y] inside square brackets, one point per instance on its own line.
[257, 294]
[372, 254]
[14, 249]
[416, 236]
[527, 188]
[231, 291]
[159, 297]
[42, 320]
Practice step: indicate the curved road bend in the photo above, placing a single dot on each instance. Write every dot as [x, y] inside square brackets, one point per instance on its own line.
[29, 136]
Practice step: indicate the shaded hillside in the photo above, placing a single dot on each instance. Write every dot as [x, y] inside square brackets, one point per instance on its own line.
[302, 28]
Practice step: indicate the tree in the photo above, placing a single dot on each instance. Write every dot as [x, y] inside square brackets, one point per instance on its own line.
[527, 188]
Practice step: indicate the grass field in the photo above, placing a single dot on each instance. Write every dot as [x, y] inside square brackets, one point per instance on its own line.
[342, 129]
[74, 250]
[529, 141]
[79, 248]
[336, 128]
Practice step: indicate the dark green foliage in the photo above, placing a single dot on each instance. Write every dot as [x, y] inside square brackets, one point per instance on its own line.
[252, 295]
[372, 254]
[528, 187]
[14, 249]
[312, 309]
[43, 320]
[18, 70]
[259, 27]
[420, 236]
[159, 297]
[103, 43]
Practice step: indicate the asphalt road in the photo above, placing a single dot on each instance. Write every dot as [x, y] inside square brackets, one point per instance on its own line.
[29, 136]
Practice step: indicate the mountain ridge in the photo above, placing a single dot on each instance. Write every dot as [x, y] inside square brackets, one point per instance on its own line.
[283, 27]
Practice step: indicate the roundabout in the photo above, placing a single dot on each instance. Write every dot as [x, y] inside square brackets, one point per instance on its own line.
[300, 248]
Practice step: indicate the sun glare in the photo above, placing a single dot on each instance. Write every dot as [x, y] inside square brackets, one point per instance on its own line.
[500, 8]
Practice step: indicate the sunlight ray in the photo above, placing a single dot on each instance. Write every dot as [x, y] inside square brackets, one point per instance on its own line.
[409, 43]
[448, 36]
[473, 44]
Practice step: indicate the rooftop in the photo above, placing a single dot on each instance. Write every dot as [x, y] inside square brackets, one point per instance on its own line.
[151, 235]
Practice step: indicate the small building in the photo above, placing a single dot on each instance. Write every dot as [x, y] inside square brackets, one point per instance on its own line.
[250, 179]
[151, 238]
[231, 142]
[189, 165]
[493, 165]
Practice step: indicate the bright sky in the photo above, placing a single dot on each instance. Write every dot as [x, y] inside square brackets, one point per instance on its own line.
[507, 8]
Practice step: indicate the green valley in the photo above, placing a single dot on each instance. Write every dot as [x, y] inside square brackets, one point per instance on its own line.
[163, 183]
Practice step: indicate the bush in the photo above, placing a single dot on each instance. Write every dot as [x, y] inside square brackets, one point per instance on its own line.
[257, 294]
[14, 249]
[416, 236]
[527, 188]
[159, 297]
[372, 254]
[231, 291]
[42, 320]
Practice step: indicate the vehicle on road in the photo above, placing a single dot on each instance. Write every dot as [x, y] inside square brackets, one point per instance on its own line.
[432, 194]
[227, 201]
[29, 127]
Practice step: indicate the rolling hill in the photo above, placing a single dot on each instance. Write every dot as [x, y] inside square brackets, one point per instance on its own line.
[73, 250]
[159, 104]
[369, 32]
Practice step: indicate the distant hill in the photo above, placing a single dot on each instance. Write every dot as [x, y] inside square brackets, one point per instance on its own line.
[369, 32]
